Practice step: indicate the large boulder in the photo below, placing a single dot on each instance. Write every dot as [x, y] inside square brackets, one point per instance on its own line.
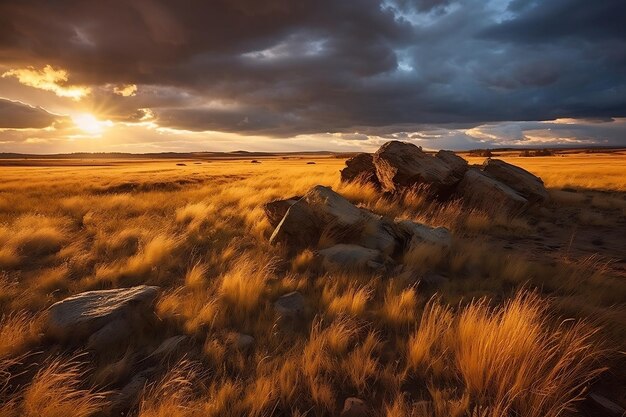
[360, 168]
[380, 233]
[401, 165]
[526, 184]
[455, 162]
[481, 190]
[320, 209]
[83, 314]
[351, 257]
[275, 210]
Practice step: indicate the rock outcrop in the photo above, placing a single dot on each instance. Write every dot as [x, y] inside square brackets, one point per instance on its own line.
[398, 166]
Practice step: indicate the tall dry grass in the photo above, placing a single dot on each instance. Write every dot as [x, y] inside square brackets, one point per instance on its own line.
[199, 232]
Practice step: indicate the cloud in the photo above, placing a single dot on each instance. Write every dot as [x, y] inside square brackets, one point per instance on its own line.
[284, 69]
[126, 90]
[49, 79]
[16, 115]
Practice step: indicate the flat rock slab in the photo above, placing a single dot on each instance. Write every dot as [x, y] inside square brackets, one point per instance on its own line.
[85, 313]
[416, 233]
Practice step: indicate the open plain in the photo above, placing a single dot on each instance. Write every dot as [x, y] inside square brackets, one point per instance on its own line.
[520, 315]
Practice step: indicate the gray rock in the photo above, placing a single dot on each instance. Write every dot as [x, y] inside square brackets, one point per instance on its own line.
[351, 257]
[290, 305]
[482, 191]
[526, 184]
[130, 394]
[112, 334]
[360, 168]
[355, 407]
[321, 208]
[455, 162]
[83, 314]
[417, 233]
[169, 346]
[381, 234]
[401, 165]
[276, 210]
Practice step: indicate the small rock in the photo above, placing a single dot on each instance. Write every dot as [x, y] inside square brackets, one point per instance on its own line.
[169, 346]
[310, 163]
[354, 407]
[83, 314]
[290, 305]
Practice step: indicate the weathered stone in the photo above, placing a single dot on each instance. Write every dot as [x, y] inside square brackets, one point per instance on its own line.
[83, 314]
[169, 346]
[290, 305]
[417, 233]
[355, 407]
[484, 192]
[455, 162]
[526, 184]
[321, 208]
[381, 234]
[351, 257]
[276, 210]
[112, 334]
[400, 165]
[360, 168]
[130, 394]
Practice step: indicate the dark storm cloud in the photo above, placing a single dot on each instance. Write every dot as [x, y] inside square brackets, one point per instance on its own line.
[282, 68]
[16, 115]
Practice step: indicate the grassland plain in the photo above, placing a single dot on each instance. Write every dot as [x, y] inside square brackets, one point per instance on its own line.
[532, 311]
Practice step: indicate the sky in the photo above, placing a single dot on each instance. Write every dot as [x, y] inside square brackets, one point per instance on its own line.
[283, 75]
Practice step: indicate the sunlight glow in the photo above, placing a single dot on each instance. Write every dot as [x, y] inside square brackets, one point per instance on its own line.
[89, 124]
[50, 79]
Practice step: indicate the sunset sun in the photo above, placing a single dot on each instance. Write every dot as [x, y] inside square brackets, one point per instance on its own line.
[88, 123]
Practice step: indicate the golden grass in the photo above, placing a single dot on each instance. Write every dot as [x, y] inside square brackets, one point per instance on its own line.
[55, 392]
[199, 232]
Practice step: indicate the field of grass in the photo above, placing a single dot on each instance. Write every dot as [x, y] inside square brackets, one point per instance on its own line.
[531, 314]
